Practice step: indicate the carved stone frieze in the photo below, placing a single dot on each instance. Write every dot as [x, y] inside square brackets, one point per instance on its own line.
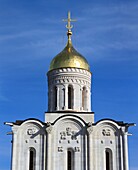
[60, 149]
[90, 124]
[68, 131]
[90, 128]
[62, 135]
[77, 149]
[68, 134]
[73, 136]
[71, 79]
[76, 77]
[48, 124]
[49, 128]
[31, 131]
[71, 70]
[56, 72]
[106, 132]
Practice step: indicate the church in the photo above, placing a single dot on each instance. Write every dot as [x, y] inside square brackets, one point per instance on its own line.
[69, 138]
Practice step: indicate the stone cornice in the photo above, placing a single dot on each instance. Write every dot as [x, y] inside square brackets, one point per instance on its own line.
[69, 70]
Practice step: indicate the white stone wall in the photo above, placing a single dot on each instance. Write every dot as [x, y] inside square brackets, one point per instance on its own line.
[62, 79]
[85, 116]
[88, 141]
[107, 135]
[68, 132]
[28, 135]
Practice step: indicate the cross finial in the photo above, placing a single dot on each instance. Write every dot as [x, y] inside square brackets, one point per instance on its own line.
[69, 26]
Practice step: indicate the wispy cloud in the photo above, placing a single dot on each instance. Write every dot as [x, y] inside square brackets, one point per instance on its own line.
[104, 9]
[109, 27]
[101, 28]
[32, 32]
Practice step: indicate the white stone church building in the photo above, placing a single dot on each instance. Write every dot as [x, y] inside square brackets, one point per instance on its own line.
[69, 138]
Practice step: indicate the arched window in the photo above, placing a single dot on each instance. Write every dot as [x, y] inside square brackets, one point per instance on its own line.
[70, 97]
[108, 159]
[55, 97]
[32, 158]
[63, 92]
[70, 159]
[84, 98]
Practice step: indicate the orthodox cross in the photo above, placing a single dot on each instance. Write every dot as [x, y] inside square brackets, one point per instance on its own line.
[69, 20]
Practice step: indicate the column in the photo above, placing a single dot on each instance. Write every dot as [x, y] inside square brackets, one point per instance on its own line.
[88, 99]
[86, 103]
[57, 98]
[81, 108]
[126, 167]
[50, 100]
[49, 146]
[15, 161]
[43, 153]
[73, 98]
[89, 130]
[121, 152]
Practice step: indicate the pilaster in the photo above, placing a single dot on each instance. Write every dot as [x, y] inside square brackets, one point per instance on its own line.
[14, 148]
[125, 148]
[90, 140]
[49, 146]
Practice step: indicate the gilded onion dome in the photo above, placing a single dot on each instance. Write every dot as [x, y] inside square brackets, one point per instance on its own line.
[69, 57]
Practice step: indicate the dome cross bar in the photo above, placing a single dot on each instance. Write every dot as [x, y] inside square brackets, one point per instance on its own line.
[69, 26]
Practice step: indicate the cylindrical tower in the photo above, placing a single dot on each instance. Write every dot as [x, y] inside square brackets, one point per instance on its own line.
[69, 80]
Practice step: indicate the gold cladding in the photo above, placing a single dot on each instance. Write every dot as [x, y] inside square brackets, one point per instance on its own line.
[69, 57]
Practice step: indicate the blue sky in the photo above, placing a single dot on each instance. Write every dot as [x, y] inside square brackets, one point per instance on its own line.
[32, 33]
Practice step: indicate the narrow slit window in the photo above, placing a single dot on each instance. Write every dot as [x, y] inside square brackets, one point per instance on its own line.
[32, 157]
[63, 97]
[70, 159]
[70, 97]
[108, 159]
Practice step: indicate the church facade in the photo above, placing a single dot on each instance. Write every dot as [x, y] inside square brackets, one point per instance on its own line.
[69, 138]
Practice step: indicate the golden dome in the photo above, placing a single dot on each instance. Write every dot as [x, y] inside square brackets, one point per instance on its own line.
[69, 57]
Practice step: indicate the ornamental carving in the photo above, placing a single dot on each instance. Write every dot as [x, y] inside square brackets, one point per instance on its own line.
[62, 135]
[49, 128]
[73, 136]
[70, 79]
[90, 124]
[60, 149]
[90, 128]
[106, 132]
[68, 134]
[31, 131]
[77, 149]
[48, 124]
[71, 70]
[68, 131]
